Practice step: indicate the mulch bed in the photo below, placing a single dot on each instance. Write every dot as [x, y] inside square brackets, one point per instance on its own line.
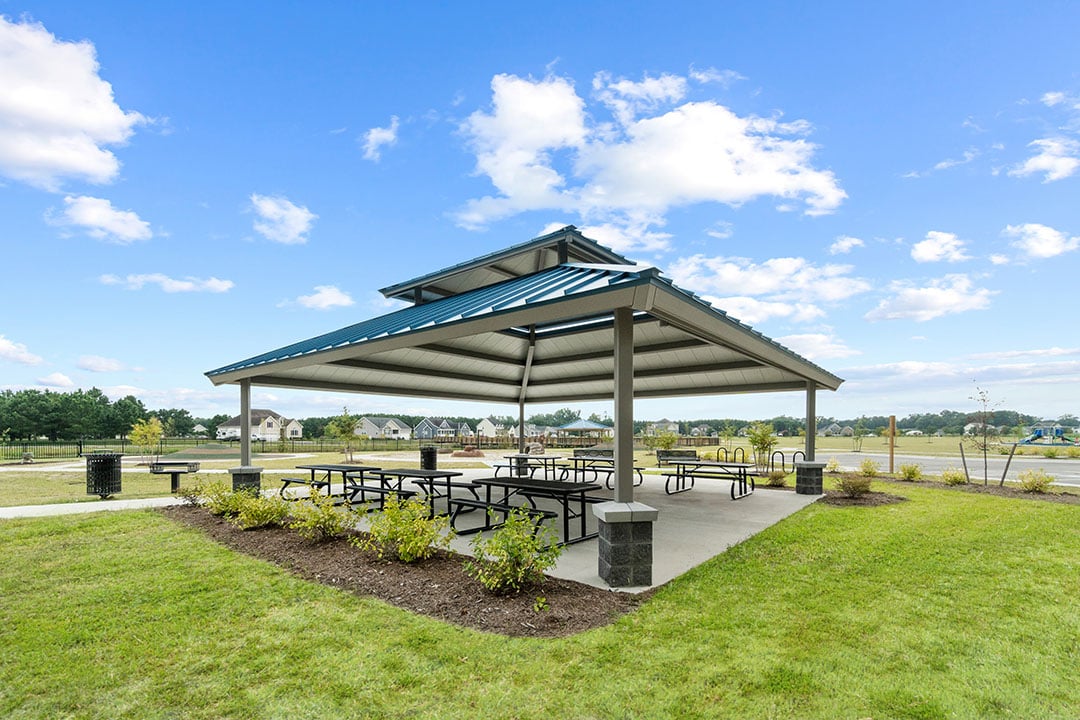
[871, 499]
[437, 587]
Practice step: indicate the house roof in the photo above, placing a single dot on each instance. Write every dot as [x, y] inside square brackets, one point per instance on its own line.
[583, 425]
[257, 418]
[541, 337]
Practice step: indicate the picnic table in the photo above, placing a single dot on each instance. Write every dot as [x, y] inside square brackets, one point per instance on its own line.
[173, 468]
[686, 471]
[427, 479]
[581, 465]
[327, 479]
[531, 462]
[560, 490]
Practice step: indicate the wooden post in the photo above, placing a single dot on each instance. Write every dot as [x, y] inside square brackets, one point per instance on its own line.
[892, 442]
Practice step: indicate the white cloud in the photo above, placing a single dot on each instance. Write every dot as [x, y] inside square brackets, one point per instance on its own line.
[17, 352]
[1036, 353]
[1041, 241]
[96, 363]
[781, 278]
[939, 246]
[724, 78]
[168, 284]
[969, 155]
[280, 220]
[101, 220]
[999, 259]
[753, 311]
[1056, 159]
[377, 137]
[947, 295]
[721, 230]
[845, 244]
[57, 116]
[325, 297]
[1051, 99]
[56, 380]
[542, 149]
[817, 346]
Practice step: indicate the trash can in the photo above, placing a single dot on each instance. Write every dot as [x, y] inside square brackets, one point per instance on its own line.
[429, 458]
[103, 473]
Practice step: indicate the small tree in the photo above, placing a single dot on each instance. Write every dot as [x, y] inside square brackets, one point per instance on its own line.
[762, 439]
[858, 434]
[985, 434]
[343, 429]
[145, 435]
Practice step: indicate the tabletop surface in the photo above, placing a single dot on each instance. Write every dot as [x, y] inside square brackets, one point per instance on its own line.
[421, 473]
[534, 484]
[530, 456]
[710, 463]
[342, 468]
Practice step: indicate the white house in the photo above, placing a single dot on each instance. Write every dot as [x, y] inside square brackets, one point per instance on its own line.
[265, 425]
[383, 427]
[489, 429]
[661, 426]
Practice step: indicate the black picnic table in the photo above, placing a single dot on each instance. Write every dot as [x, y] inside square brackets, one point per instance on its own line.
[686, 471]
[330, 469]
[533, 461]
[596, 464]
[560, 490]
[174, 468]
[428, 480]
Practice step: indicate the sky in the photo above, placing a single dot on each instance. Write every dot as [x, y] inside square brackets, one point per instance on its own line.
[889, 189]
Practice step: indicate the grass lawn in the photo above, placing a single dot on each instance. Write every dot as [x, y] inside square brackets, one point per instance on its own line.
[949, 605]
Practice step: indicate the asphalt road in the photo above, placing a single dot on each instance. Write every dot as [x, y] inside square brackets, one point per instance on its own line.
[1066, 471]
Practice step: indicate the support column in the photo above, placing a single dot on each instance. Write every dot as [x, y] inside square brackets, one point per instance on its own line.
[625, 527]
[811, 419]
[245, 422]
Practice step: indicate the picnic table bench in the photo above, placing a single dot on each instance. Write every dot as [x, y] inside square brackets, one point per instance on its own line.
[381, 491]
[663, 456]
[460, 505]
[582, 463]
[173, 468]
[687, 471]
[530, 462]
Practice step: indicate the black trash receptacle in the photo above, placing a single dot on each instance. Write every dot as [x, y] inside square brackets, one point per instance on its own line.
[103, 473]
[429, 458]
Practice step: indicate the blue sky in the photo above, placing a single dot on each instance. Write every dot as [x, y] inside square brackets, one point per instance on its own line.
[890, 189]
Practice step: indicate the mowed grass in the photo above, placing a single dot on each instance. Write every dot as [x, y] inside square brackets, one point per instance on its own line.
[950, 605]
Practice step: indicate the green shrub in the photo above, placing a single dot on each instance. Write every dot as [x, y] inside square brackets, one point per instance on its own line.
[404, 531]
[911, 473]
[257, 511]
[777, 478]
[869, 468]
[317, 519]
[833, 466]
[513, 558]
[1035, 481]
[192, 494]
[854, 485]
[220, 499]
[952, 476]
[1050, 453]
[1073, 452]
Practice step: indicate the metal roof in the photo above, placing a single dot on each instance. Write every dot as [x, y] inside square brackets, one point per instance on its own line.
[542, 337]
[562, 246]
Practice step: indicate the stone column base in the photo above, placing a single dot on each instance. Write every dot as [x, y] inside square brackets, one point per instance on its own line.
[808, 477]
[245, 477]
[625, 536]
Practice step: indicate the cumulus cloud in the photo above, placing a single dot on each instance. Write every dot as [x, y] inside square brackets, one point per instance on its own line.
[787, 278]
[99, 219]
[817, 346]
[57, 116]
[1035, 353]
[951, 294]
[845, 244]
[1041, 241]
[325, 297]
[543, 148]
[280, 220]
[168, 284]
[377, 137]
[96, 363]
[17, 352]
[56, 380]
[753, 311]
[939, 246]
[1055, 158]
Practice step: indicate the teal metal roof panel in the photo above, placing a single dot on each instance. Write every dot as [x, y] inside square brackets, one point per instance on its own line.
[553, 284]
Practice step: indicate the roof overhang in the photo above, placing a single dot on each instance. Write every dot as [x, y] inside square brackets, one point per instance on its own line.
[545, 337]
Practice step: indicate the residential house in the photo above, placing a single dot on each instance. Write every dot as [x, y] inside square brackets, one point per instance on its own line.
[489, 429]
[465, 432]
[832, 430]
[383, 427]
[265, 425]
[661, 426]
[435, 429]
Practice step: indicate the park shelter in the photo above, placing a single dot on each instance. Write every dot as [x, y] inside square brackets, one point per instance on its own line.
[557, 319]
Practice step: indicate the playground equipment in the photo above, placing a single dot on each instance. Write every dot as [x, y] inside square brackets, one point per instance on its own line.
[1040, 437]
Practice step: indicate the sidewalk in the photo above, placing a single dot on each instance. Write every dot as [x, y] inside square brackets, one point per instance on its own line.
[29, 511]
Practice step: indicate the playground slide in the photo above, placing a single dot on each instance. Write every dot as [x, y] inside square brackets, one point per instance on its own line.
[1032, 437]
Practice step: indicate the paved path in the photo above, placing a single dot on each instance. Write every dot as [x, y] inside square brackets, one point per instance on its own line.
[26, 511]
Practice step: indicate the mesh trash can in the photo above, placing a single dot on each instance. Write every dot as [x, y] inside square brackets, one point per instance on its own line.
[429, 457]
[103, 473]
